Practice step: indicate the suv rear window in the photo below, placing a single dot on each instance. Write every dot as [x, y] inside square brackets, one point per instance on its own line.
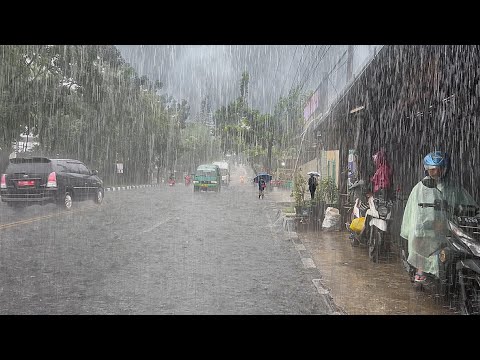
[28, 165]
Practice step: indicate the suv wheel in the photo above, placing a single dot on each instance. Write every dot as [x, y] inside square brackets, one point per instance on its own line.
[99, 196]
[67, 201]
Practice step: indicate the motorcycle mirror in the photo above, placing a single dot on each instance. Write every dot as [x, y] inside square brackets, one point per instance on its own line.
[429, 182]
[356, 184]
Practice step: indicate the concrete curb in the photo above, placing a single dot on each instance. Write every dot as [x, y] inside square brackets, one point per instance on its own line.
[288, 224]
[129, 187]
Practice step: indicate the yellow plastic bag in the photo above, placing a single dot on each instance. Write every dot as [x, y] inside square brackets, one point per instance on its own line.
[357, 224]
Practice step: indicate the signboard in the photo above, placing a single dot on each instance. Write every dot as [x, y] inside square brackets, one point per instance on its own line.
[318, 101]
[352, 165]
[119, 168]
[311, 106]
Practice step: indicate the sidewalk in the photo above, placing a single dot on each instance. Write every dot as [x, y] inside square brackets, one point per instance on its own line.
[280, 195]
[357, 285]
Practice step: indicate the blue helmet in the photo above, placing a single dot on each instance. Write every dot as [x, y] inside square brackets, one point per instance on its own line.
[437, 159]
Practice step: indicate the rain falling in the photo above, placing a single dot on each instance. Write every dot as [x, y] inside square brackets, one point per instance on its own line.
[239, 179]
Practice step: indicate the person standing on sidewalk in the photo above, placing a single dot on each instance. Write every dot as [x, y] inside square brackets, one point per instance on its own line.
[312, 185]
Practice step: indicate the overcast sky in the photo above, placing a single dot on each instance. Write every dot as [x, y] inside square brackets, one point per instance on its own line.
[192, 72]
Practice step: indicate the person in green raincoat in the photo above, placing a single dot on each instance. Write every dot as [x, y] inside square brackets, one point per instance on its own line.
[424, 227]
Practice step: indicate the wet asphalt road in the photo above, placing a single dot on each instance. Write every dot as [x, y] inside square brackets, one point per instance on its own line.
[158, 250]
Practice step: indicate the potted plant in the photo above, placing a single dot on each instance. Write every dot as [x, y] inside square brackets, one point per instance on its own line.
[326, 194]
[327, 191]
[298, 191]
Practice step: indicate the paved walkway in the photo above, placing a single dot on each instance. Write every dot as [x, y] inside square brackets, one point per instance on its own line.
[357, 285]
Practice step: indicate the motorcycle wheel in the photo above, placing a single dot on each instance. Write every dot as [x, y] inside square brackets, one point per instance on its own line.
[354, 241]
[471, 305]
[374, 244]
[353, 238]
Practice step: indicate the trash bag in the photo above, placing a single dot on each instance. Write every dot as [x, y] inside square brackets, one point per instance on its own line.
[357, 224]
[332, 219]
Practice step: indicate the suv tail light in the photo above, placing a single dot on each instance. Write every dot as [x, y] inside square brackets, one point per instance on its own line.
[3, 182]
[52, 180]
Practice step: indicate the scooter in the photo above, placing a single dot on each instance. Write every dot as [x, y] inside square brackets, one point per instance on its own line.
[379, 214]
[458, 281]
[356, 213]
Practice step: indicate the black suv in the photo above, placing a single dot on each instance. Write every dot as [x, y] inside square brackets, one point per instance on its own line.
[40, 180]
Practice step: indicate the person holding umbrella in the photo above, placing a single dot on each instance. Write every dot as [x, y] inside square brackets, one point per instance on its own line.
[312, 184]
[261, 187]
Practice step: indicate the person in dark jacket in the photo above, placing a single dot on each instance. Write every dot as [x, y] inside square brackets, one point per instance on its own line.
[312, 185]
[261, 187]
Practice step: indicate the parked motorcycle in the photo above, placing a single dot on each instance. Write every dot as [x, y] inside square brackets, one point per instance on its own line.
[379, 214]
[458, 281]
[356, 213]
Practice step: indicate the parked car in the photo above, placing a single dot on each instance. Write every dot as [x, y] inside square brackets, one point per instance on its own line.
[41, 180]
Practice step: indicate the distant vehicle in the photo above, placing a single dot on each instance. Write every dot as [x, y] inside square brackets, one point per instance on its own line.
[224, 170]
[207, 178]
[41, 180]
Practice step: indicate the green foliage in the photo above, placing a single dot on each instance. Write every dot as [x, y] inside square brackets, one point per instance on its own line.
[288, 210]
[299, 188]
[327, 190]
[84, 101]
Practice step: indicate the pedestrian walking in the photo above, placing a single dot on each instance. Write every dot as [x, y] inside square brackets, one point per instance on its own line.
[261, 187]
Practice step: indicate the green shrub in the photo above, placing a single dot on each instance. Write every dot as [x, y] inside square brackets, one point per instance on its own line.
[299, 188]
[327, 190]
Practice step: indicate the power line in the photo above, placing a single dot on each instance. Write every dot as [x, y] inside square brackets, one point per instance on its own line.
[318, 63]
[304, 77]
[291, 63]
[274, 80]
[301, 56]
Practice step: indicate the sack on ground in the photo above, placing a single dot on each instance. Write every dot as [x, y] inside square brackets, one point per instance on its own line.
[357, 224]
[332, 219]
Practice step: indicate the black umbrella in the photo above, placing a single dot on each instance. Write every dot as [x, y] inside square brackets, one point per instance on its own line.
[264, 175]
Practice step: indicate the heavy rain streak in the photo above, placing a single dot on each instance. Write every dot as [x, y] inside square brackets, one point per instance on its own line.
[239, 179]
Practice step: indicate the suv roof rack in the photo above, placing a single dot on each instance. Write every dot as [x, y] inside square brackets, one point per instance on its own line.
[35, 159]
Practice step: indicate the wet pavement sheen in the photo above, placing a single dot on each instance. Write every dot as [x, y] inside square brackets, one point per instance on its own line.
[357, 285]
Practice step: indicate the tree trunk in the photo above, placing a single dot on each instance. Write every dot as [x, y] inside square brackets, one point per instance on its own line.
[269, 153]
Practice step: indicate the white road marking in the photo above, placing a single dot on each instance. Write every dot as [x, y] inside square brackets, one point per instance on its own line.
[299, 246]
[320, 287]
[156, 225]
[308, 263]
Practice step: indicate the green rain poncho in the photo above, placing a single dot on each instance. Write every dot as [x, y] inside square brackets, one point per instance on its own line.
[424, 228]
